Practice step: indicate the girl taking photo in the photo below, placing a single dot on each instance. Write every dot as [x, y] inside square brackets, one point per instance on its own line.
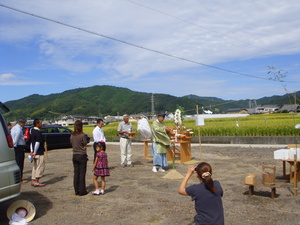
[207, 195]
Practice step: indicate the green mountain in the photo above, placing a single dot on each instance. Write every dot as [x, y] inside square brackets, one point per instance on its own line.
[93, 101]
[101, 101]
[292, 98]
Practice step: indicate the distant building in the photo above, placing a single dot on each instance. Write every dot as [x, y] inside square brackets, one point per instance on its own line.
[290, 107]
[237, 111]
[70, 120]
[113, 118]
[263, 109]
[270, 108]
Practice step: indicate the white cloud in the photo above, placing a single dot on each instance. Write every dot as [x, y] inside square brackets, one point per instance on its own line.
[233, 30]
[6, 76]
[208, 32]
[9, 79]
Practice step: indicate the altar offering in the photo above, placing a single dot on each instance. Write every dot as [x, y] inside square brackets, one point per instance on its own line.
[268, 175]
[282, 154]
[131, 134]
[250, 179]
[287, 154]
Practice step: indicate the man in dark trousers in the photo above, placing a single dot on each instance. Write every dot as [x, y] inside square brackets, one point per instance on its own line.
[19, 145]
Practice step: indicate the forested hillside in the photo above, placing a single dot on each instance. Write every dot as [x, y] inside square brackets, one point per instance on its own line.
[93, 101]
[108, 100]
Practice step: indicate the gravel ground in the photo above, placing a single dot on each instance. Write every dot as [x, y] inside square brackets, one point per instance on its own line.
[136, 195]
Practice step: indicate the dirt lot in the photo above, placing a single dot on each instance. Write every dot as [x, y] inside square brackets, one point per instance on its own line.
[136, 195]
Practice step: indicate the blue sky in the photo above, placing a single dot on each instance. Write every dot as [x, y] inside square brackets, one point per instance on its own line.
[161, 47]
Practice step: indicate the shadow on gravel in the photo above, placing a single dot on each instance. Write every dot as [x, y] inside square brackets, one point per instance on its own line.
[266, 194]
[112, 188]
[91, 187]
[41, 209]
[54, 180]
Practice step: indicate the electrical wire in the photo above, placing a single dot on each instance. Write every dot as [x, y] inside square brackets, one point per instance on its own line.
[135, 45]
[189, 22]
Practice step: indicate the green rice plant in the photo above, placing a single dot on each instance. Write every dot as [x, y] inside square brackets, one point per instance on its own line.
[279, 124]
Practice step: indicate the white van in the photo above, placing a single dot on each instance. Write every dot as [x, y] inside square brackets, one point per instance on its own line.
[10, 175]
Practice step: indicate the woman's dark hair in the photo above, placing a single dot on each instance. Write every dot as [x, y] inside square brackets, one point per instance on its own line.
[204, 172]
[36, 122]
[102, 145]
[77, 127]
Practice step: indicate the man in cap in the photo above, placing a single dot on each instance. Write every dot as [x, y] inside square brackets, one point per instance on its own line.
[19, 145]
[124, 128]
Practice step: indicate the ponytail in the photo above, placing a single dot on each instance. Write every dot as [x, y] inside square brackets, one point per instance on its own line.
[204, 171]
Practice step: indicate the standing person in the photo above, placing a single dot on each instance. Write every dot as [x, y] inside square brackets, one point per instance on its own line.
[80, 158]
[9, 126]
[100, 168]
[19, 145]
[207, 195]
[124, 128]
[37, 150]
[161, 143]
[98, 136]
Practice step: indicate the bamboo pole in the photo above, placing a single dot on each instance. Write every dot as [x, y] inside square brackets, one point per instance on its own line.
[260, 170]
[199, 135]
[295, 174]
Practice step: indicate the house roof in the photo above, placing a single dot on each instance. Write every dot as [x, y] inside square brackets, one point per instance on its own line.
[270, 106]
[290, 107]
[236, 110]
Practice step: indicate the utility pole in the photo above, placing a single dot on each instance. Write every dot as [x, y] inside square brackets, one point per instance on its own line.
[152, 105]
[255, 104]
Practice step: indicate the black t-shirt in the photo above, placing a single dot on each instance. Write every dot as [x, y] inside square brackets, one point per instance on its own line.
[208, 205]
[36, 136]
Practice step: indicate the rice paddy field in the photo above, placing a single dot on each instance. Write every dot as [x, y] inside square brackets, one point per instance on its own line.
[278, 124]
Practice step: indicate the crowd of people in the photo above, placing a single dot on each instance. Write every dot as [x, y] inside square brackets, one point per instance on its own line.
[207, 193]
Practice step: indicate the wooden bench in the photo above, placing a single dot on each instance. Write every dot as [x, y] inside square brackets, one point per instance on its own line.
[251, 188]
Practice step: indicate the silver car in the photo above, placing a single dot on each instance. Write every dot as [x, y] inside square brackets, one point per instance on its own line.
[10, 175]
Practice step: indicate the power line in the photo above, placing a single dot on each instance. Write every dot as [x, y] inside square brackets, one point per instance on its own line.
[135, 45]
[189, 22]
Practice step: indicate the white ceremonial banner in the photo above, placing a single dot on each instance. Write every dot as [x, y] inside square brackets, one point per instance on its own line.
[199, 120]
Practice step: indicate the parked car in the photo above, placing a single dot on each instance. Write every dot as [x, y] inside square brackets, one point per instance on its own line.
[10, 175]
[54, 135]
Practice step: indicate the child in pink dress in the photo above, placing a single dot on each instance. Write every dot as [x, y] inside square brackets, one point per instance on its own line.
[100, 168]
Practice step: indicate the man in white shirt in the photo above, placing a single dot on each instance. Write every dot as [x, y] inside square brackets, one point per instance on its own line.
[98, 135]
[19, 145]
[124, 128]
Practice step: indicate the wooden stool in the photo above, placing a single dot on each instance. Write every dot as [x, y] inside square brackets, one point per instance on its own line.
[273, 189]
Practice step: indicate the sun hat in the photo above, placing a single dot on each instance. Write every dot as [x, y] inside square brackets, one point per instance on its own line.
[161, 113]
[22, 204]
